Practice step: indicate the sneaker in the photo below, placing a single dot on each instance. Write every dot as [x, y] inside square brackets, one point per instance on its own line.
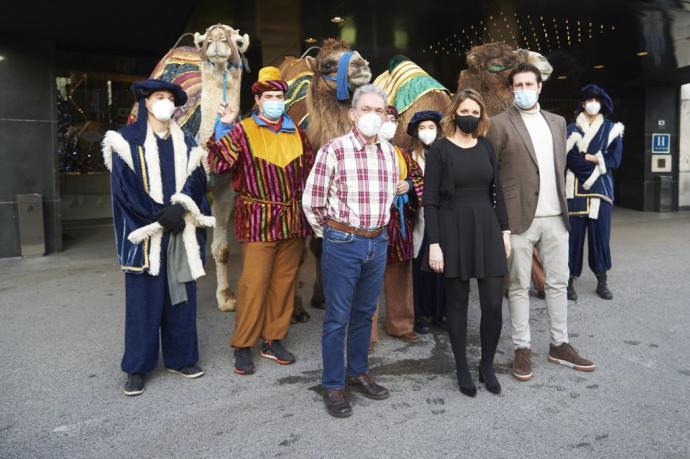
[274, 350]
[244, 364]
[135, 384]
[522, 365]
[191, 371]
[566, 355]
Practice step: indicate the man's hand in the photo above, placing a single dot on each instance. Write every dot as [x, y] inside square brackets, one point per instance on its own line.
[402, 187]
[592, 158]
[228, 114]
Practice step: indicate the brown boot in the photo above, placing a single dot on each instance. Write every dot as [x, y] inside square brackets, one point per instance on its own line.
[522, 366]
[566, 355]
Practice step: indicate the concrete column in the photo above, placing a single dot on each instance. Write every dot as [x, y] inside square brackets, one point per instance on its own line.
[684, 145]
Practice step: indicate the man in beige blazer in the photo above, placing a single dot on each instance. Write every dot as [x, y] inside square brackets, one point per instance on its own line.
[530, 148]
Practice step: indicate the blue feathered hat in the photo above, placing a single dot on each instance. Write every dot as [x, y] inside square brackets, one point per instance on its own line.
[424, 115]
[144, 88]
[592, 91]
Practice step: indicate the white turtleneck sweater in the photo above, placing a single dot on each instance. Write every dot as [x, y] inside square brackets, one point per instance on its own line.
[548, 204]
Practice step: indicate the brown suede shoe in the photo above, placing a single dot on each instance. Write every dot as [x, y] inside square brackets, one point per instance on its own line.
[566, 355]
[522, 365]
[409, 337]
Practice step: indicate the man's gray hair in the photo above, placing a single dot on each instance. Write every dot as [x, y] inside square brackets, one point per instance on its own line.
[369, 89]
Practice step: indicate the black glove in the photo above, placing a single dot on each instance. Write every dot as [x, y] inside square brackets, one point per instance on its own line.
[172, 218]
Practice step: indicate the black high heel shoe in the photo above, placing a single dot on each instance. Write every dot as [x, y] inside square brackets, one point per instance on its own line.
[466, 384]
[491, 382]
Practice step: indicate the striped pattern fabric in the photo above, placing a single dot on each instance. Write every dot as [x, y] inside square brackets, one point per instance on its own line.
[399, 248]
[406, 83]
[268, 207]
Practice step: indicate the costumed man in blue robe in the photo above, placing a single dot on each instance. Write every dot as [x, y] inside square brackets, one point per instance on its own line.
[595, 149]
[160, 213]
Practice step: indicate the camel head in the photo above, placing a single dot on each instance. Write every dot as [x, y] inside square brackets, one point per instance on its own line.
[325, 64]
[221, 45]
[537, 60]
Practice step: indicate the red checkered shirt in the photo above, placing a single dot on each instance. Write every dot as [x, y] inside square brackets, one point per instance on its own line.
[352, 182]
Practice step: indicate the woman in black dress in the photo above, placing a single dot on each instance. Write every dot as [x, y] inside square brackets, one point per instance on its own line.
[467, 227]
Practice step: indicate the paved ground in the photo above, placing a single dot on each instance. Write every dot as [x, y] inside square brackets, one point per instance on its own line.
[61, 322]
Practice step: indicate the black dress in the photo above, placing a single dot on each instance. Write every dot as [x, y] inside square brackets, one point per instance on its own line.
[464, 210]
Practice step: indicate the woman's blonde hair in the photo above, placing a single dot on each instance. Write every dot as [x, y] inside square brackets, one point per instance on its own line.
[448, 122]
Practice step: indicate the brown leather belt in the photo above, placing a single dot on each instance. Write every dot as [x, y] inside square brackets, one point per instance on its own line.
[370, 233]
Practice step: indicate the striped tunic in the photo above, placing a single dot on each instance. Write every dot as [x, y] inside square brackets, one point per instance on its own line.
[269, 204]
[399, 247]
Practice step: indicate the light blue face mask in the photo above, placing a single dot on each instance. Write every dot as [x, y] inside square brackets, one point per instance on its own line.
[526, 98]
[274, 109]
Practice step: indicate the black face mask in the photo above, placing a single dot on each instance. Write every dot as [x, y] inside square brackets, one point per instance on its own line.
[467, 123]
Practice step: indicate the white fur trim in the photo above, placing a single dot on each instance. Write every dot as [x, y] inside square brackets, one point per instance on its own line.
[594, 204]
[193, 210]
[155, 253]
[569, 184]
[180, 151]
[590, 130]
[138, 235]
[153, 166]
[113, 141]
[592, 178]
[572, 140]
[618, 129]
[602, 162]
[198, 157]
[191, 246]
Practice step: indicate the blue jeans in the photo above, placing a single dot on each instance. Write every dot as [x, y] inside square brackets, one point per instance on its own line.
[352, 268]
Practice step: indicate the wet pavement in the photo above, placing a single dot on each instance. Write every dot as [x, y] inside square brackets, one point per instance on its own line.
[61, 334]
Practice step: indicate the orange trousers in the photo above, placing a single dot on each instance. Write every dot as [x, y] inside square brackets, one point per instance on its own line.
[266, 290]
[397, 286]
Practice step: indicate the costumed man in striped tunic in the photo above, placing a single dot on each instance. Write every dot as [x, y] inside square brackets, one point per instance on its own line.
[595, 149]
[397, 279]
[270, 159]
[160, 214]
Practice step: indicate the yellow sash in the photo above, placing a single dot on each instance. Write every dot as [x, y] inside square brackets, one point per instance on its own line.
[279, 148]
[402, 165]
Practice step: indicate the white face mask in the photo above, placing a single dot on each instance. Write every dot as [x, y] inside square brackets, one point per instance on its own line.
[427, 136]
[387, 131]
[163, 110]
[593, 107]
[369, 124]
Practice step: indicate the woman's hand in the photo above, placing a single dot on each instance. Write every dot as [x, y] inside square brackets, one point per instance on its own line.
[402, 187]
[506, 244]
[436, 258]
[227, 114]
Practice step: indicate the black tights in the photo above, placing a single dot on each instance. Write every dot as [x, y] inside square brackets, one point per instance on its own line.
[491, 300]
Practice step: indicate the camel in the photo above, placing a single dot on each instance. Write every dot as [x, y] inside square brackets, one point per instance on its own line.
[210, 73]
[312, 102]
[425, 94]
[488, 69]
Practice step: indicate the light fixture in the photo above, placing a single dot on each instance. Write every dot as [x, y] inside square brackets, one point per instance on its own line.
[337, 19]
[642, 53]
[310, 40]
[599, 66]
[561, 77]
[2, 58]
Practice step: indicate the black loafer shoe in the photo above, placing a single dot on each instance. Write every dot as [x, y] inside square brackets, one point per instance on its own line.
[135, 384]
[422, 326]
[336, 403]
[368, 387]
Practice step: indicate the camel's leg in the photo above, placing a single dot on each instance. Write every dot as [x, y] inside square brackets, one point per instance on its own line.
[223, 198]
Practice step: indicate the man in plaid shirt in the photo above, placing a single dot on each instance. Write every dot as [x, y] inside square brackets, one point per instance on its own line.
[347, 200]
